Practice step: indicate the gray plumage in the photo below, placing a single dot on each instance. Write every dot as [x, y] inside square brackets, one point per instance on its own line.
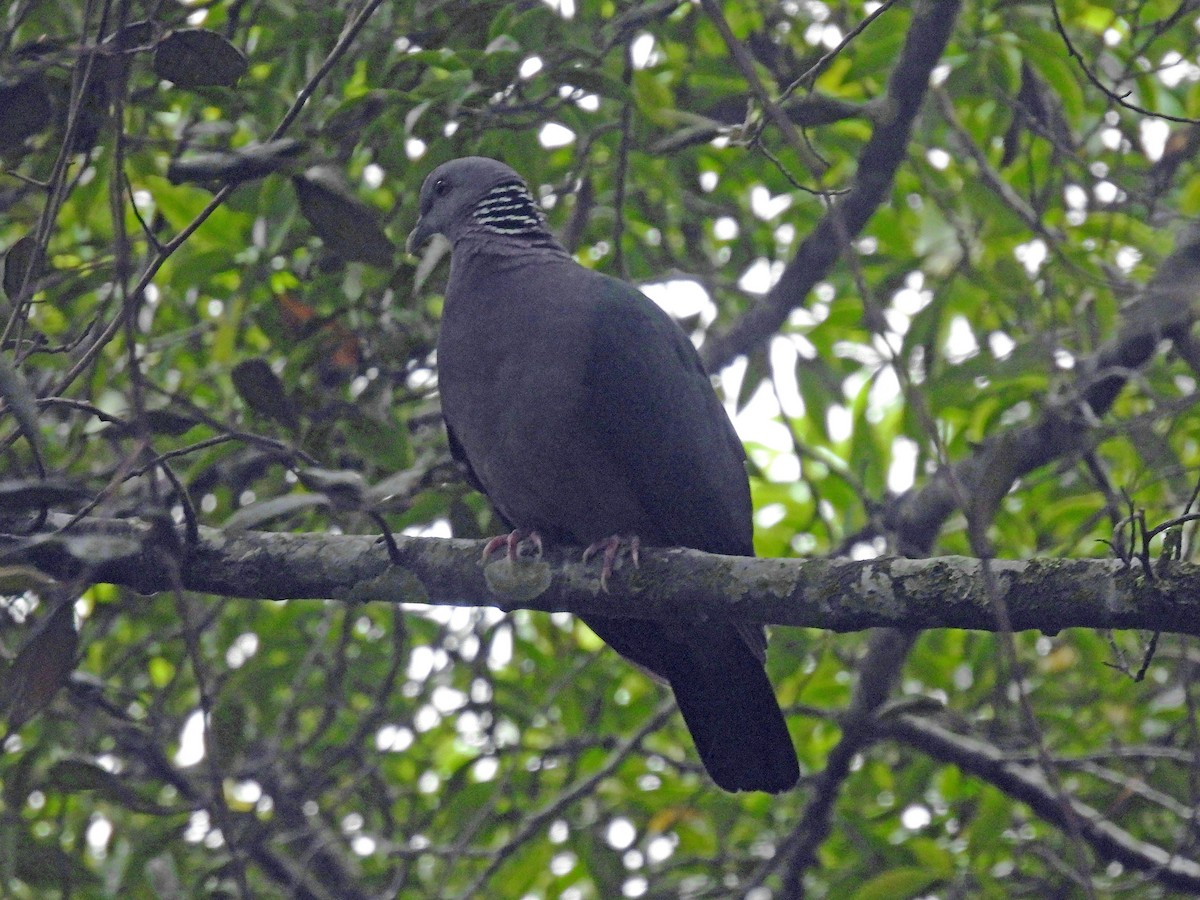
[582, 411]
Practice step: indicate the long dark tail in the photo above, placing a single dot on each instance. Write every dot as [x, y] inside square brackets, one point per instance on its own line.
[730, 709]
[725, 697]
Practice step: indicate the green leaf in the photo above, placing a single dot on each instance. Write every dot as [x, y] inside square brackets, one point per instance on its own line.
[898, 884]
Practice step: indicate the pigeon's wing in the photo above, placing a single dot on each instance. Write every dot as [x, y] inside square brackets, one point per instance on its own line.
[460, 456]
[668, 436]
[658, 418]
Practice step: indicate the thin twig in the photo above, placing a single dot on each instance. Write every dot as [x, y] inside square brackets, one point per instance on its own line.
[1119, 99]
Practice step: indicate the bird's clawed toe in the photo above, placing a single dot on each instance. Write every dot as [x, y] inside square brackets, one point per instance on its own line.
[611, 546]
[512, 543]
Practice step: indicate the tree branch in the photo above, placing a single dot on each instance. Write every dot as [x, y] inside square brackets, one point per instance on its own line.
[1029, 785]
[1165, 309]
[670, 585]
[931, 27]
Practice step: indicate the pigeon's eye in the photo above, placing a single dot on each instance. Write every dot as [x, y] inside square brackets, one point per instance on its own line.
[441, 187]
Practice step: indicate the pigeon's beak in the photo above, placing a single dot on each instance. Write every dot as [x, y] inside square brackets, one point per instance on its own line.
[417, 237]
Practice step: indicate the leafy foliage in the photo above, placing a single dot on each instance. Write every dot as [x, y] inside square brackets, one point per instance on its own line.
[207, 317]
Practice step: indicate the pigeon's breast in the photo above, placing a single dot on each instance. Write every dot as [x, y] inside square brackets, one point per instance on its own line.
[512, 354]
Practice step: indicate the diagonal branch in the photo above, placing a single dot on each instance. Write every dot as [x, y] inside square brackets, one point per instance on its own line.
[928, 35]
[1166, 309]
[1027, 784]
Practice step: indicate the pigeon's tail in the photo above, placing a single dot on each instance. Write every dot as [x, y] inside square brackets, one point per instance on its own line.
[730, 709]
[724, 695]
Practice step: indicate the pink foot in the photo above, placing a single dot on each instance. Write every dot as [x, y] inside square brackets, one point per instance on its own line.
[512, 542]
[611, 547]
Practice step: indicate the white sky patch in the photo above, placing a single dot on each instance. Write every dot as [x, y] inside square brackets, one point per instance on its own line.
[1127, 258]
[885, 391]
[427, 718]
[760, 276]
[414, 148]
[784, 468]
[784, 354]
[770, 515]
[191, 741]
[99, 831]
[913, 297]
[860, 353]
[725, 228]
[373, 175]
[907, 301]
[642, 52]
[249, 792]
[915, 817]
[562, 863]
[1075, 197]
[804, 347]
[1107, 192]
[708, 181]
[530, 66]
[827, 36]
[447, 699]
[1174, 68]
[902, 471]
[500, 650]
[960, 342]
[730, 378]
[938, 158]
[109, 763]
[839, 423]
[437, 528]
[565, 8]
[198, 827]
[425, 660]
[1154, 134]
[393, 738]
[244, 646]
[1031, 255]
[682, 298]
[865, 550]
[620, 834]
[1001, 344]
[588, 102]
[765, 206]
[758, 424]
[555, 135]
[897, 323]
[661, 848]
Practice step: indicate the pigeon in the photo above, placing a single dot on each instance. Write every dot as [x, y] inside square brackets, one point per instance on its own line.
[583, 413]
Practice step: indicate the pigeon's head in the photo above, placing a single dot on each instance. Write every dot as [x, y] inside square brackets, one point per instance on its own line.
[473, 193]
